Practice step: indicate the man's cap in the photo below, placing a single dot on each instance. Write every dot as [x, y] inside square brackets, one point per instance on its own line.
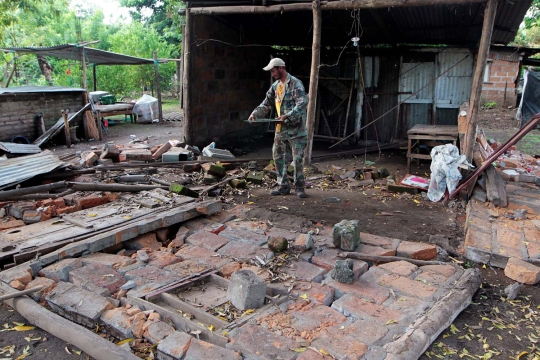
[273, 63]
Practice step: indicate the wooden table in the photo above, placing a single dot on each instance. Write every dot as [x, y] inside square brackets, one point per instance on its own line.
[119, 108]
[430, 134]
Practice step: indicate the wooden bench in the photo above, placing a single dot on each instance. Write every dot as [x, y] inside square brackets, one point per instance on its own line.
[120, 108]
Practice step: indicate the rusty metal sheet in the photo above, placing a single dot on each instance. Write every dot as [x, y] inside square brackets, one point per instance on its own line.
[17, 170]
[13, 148]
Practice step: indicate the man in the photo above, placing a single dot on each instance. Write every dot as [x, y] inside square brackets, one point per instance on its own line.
[289, 97]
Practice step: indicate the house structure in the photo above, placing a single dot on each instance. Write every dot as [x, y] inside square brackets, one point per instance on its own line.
[373, 69]
[503, 73]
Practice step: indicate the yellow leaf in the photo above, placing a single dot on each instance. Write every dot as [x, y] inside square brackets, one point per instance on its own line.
[484, 266]
[416, 201]
[453, 329]
[299, 350]
[122, 342]
[78, 352]
[92, 214]
[391, 322]
[211, 327]
[18, 323]
[324, 352]
[304, 296]
[127, 217]
[22, 356]
[222, 318]
[225, 333]
[23, 328]
[248, 311]
[250, 203]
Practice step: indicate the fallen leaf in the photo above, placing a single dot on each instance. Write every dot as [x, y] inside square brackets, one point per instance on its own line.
[248, 311]
[18, 323]
[299, 350]
[92, 214]
[211, 327]
[67, 350]
[127, 217]
[391, 322]
[78, 352]
[24, 328]
[250, 203]
[122, 342]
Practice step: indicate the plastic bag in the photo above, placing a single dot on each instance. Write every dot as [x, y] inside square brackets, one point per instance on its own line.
[445, 160]
[146, 109]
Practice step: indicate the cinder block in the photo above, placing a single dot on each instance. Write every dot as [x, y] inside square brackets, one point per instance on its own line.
[246, 290]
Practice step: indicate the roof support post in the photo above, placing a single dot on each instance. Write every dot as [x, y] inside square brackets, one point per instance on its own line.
[94, 77]
[85, 86]
[478, 77]
[186, 44]
[313, 79]
[158, 87]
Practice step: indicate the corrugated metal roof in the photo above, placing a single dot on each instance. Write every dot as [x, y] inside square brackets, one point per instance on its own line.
[17, 170]
[19, 148]
[75, 52]
[38, 89]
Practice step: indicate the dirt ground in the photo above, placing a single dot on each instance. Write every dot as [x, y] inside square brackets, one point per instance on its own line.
[492, 327]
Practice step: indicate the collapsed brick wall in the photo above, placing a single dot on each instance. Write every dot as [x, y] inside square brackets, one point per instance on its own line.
[227, 82]
[502, 79]
[18, 112]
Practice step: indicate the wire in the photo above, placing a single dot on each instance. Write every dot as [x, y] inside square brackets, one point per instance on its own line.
[399, 104]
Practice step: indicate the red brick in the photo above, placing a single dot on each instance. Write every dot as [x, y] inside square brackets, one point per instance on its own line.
[91, 201]
[161, 259]
[197, 253]
[199, 349]
[203, 224]
[157, 331]
[382, 241]
[137, 154]
[318, 293]
[16, 284]
[407, 286]
[366, 331]
[68, 209]
[305, 271]
[239, 250]
[375, 250]
[313, 317]
[507, 243]
[362, 288]
[11, 223]
[96, 276]
[416, 250]
[358, 308]
[253, 339]
[346, 347]
[147, 240]
[162, 234]
[47, 284]
[478, 239]
[59, 271]
[207, 240]
[22, 274]
[31, 216]
[109, 260]
[188, 268]
[227, 270]
[522, 271]
[444, 270]
[59, 202]
[402, 268]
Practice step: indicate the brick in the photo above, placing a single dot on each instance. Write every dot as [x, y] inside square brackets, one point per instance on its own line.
[23, 274]
[216, 170]
[137, 154]
[47, 284]
[138, 321]
[368, 290]
[306, 271]
[350, 305]
[188, 268]
[161, 150]
[162, 259]
[316, 293]
[246, 290]
[202, 255]
[314, 316]
[76, 304]
[109, 260]
[89, 158]
[253, 340]
[175, 346]
[180, 237]
[92, 200]
[310, 355]
[522, 271]
[407, 286]
[238, 183]
[60, 271]
[228, 269]
[162, 234]
[402, 268]
[346, 234]
[240, 250]
[207, 240]
[199, 349]
[31, 216]
[416, 250]
[95, 277]
[17, 209]
[258, 227]
[192, 168]
[327, 259]
[68, 209]
[117, 323]
[16, 284]
[147, 240]
[346, 347]
[375, 250]
[240, 211]
[203, 224]
[158, 331]
[245, 236]
[11, 223]
[366, 331]
[444, 270]
[303, 242]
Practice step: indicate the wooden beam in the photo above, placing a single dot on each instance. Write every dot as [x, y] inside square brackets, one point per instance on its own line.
[158, 87]
[478, 78]
[325, 5]
[186, 44]
[94, 77]
[313, 79]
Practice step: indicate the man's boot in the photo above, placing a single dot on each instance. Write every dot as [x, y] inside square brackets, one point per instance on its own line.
[301, 193]
[282, 190]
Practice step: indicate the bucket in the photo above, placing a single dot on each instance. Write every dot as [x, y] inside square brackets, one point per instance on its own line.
[106, 123]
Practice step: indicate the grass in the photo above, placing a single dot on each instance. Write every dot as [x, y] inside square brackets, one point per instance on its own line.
[529, 144]
[170, 105]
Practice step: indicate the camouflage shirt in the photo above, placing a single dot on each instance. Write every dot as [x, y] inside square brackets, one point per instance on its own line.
[294, 106]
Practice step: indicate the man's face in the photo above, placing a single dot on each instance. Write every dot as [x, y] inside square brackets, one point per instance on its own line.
[276, 72]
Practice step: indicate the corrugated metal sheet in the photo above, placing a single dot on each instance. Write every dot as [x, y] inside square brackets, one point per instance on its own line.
[454, 87]
[16, 170]
[417, 114]
[415, 76]
[19, 148]
[38, 89]
[387, 77]
[514, 56]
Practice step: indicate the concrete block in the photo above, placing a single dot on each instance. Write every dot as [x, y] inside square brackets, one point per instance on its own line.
[157, 331]
[76, 304]
[522, 271]
[246, 290]
[255, 177]
[117, 323]
[346, 234]
[343, 271]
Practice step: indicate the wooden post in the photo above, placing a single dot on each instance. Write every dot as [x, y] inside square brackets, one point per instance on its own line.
[183, 69]
[179, 81]
[188, 125]
[313, 79]
[487, 31]
[66, 129]
[158, 87]
[94, 77]
[85, 86]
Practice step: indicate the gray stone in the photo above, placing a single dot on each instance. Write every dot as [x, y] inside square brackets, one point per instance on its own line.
[60, 270]
[537, 181]
[76, 304]
[520, 214]
[346, 234]
[512, 291]
[128, 285]
[246, 290]
[174, 346]
[332, 199]
[480, 194]
[142, 256]
[343, 271]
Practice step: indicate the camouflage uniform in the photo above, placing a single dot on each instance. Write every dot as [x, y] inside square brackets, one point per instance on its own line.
[293, 135]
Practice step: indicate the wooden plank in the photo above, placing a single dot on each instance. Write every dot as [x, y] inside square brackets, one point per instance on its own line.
[496, 187]
[175, 302]
[432, 137]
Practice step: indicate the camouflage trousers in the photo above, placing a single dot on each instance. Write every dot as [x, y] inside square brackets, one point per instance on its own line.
[282, 151]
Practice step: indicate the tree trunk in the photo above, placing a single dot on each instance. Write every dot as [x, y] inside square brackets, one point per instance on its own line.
[46, 68]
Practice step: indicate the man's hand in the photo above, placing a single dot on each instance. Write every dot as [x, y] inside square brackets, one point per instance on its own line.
[283, 119]
[251, 119]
